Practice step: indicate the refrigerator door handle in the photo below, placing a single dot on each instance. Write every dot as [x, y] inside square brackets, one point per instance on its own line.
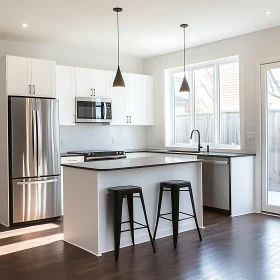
[39, 137]
[35, 139]
[36, 182]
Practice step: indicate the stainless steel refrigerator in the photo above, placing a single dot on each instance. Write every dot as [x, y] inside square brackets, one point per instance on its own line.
[34, 159]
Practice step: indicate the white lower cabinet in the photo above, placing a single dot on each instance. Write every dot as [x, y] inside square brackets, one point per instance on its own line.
[72, 159]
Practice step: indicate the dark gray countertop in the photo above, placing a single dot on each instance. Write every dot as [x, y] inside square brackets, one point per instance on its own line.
[110, 165]
[210, 154]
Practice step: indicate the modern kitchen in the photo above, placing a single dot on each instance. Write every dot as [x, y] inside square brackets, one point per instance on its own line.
[132, 153]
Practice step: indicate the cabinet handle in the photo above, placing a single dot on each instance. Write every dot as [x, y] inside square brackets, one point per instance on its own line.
[129, 119]
[33, 89]
[91, 92]
[29, 89]
[126, 119]
[94, 91]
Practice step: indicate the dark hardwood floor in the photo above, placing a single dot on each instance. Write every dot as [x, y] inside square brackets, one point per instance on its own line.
[246, 247]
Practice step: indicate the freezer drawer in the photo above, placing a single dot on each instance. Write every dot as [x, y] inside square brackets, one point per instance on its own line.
[36, 199]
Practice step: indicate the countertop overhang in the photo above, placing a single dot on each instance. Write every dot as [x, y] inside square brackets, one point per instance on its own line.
[195, 153]
[121, 164]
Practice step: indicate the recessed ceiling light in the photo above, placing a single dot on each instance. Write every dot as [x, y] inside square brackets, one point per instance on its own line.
[267, 13]
[24, 25]
[132, 45]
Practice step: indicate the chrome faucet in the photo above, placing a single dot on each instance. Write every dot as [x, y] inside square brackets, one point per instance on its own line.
[198, 133]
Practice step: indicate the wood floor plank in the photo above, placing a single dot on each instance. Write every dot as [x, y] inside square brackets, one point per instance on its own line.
[241, 248]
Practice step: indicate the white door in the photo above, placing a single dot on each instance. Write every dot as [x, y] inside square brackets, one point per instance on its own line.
[83, 82]
[65, 93]
[99, 83]
[18, 76]
[270, 84]
[118, 96]
[150, 100]
[43, 78]
[136, 91]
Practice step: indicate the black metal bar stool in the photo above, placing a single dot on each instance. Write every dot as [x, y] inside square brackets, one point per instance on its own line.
[118, 194]
[175, 187]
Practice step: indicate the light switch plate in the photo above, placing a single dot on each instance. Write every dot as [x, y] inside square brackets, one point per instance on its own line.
[250, 135]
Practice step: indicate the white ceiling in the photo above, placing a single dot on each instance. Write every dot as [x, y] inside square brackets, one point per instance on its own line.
[152, 25]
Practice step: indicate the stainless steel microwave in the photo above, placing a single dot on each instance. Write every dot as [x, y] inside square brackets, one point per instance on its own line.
[93, 110]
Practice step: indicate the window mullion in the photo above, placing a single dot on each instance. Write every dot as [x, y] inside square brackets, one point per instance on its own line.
[192, 102]
[216, 96]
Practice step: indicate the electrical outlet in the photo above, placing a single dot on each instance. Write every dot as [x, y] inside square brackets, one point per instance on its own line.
[250, 135]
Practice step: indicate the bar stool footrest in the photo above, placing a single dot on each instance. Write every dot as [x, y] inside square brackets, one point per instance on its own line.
[142, 226]
[183, 213]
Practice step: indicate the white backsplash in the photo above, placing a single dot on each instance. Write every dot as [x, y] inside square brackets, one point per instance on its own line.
[101, 137]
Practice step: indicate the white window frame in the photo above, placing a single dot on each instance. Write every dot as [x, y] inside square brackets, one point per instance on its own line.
[170, 103]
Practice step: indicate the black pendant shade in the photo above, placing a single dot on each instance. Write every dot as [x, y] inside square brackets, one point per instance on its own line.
[118, 82]
[185, 85]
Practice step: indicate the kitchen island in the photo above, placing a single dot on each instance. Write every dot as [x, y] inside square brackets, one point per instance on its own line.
[88, 214]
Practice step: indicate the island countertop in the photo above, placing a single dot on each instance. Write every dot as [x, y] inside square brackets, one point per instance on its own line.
[195, 153]
[110, 165]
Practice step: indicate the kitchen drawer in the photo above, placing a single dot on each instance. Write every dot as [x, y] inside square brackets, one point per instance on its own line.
[72, 159]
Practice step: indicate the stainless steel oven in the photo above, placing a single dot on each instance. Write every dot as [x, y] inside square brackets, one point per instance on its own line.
[93, 110]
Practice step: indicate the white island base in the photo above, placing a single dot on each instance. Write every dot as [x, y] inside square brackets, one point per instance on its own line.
[88, 214]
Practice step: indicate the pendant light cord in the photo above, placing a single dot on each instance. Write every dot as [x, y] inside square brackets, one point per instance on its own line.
[118, 38]
[184, 51]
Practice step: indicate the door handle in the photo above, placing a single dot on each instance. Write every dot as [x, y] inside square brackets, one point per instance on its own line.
[36, 182]
[33, 89]
[215, 161]
[29, 89]
[39, 137]
[35, 139]
[104, 110]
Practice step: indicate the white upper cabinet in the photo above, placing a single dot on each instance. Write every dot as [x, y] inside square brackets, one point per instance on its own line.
[118, 97]
[150, 100]
[18, 76]
[30, 77]
[43, 77]
[136, 99]
[65, 92]
[90, 82]
[99, 83]
[83, 82]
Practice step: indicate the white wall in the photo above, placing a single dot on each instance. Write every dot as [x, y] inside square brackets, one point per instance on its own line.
[101, 137]
[72, 56]
[254, 49]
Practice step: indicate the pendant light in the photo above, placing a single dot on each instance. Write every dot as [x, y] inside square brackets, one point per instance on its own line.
[118, 82]
[185, 86]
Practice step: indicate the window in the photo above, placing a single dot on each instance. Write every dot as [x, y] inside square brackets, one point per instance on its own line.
[212, 106]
